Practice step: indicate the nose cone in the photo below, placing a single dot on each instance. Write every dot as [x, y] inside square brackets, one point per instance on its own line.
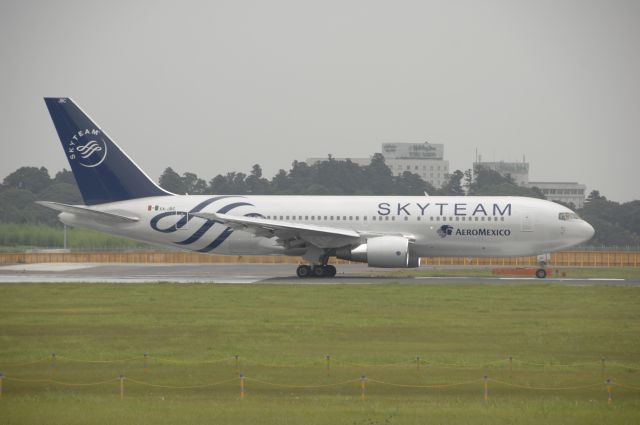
[586, 231]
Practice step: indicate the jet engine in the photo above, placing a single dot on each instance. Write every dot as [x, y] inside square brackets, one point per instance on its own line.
[382, 251]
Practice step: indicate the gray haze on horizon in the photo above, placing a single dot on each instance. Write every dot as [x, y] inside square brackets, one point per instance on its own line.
[212, 87]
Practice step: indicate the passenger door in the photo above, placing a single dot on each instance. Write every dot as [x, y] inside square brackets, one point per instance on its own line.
[527, 222]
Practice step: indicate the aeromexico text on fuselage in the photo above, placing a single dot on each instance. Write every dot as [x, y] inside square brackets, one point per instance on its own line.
[457, 209]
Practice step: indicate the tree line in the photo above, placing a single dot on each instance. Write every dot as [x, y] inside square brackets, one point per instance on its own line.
[615, 223]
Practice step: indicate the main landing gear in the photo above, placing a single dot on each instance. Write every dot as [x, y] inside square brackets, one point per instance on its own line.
[541, 273]
[316, 271]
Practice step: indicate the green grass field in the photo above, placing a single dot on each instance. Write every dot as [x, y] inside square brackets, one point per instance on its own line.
[555, 334]
[17, 237]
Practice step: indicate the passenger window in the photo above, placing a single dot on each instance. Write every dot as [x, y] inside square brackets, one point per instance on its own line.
[406, 218]
[387, 218]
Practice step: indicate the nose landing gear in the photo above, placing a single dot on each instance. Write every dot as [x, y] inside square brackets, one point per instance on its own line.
[541, 273]
[304, 271]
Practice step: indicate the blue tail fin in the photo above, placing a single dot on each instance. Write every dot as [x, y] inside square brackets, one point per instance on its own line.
[103, 171]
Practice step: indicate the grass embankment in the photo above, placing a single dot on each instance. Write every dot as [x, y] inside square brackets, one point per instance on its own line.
[555, 334]
[25, 236]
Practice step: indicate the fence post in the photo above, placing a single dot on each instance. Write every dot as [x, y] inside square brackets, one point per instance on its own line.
[237, 362]
[363, 379]
[486, 388]
[609, 391]
[328, 357]
[121, 378]
[1, 376]
[510, 363]
[241, 385]
[418, 364]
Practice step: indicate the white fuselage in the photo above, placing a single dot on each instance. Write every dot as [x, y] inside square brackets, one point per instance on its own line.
[437, 226]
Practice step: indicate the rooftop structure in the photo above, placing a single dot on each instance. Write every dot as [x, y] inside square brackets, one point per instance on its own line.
[518, 171]
[425, 159]
[566, 192]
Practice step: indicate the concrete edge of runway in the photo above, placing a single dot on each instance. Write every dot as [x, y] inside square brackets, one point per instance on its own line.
[249, 274]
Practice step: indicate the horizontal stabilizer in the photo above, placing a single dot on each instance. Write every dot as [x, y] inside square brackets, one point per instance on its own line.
[88, 212]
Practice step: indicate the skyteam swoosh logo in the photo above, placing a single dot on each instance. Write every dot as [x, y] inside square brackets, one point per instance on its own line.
[87, 148]
[186, 217]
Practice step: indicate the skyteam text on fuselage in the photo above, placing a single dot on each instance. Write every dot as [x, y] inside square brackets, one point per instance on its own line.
[382, 231]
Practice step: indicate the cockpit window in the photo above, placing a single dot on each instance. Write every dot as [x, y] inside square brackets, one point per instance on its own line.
[564, 216]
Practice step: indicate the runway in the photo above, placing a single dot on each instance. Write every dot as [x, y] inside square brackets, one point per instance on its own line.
[250, 274]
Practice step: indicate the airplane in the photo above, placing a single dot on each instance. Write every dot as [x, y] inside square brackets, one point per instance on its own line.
[382, 231]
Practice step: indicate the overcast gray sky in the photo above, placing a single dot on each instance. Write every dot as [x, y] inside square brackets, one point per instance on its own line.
[211, 87]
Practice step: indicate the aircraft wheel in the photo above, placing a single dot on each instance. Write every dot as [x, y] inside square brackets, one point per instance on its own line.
[303, 271]
[318, 271]
[541, 273]
[330, 271]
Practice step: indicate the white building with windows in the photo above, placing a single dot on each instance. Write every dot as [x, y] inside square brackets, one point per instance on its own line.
[519, 171]
[424, 159]
[567, 192]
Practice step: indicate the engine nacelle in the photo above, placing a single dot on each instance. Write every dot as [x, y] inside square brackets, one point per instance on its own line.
[382, 251]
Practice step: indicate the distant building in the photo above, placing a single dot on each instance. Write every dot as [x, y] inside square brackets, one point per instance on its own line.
[519, 171]
[422, 151]
[424, 159]
[567, 192]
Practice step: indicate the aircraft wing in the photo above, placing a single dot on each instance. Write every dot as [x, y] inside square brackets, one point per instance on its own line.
[290, 234]
[88, 212]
